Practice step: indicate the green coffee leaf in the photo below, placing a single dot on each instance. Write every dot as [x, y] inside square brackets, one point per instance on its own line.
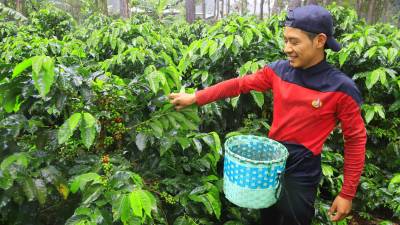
[239, 40]
[215, 204]
[17, 158]
[369, 115]
[234, 101]
[88, 129]
[258, 98]
[19, 68]
[248, 36]
[141, 200]
[343, 56]
[43, 74]
[154, 80]
[79, 182]
[228, 41]
[29, 188]
[68, 128]
[40, 191]
[122, 208]
[212, 47]
[157, 128]
[141, 141]
[374, 76]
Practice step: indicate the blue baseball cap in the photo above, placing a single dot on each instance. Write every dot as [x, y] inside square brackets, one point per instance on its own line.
[313, 19]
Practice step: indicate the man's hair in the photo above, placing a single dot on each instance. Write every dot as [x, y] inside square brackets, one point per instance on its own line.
[311, 36]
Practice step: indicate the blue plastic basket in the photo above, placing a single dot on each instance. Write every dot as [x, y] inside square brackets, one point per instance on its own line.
[252, 169]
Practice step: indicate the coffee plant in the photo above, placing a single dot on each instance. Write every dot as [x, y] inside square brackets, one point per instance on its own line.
[88, 136]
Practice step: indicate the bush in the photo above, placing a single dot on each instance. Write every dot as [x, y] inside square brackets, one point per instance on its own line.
[88, 136]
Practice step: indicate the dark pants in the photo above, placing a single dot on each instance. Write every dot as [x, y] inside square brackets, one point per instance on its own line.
[295, 205]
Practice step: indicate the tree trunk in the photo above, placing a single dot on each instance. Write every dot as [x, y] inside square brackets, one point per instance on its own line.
[294, 4]
[262, 9]
[277, 6]
[19, 6]
[222, 8]
[228, 7]
[314, 2]
[203, 8]
[244, 7]
[386, 11]
[370, 15]
[358, 7]
[190, 10]
[124, 8]
[381, 10]
[255, 7]
[76, 9]
[327, 2]
[216, 8]
[102, 6]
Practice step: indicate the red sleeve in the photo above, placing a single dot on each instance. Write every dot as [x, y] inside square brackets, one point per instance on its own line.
[355, 137]
[258, 81]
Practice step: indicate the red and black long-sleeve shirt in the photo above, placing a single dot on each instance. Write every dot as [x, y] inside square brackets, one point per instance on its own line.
[307, 105]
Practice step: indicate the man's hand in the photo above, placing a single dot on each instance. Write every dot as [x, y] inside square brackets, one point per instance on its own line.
[181, 100]
[340, 208]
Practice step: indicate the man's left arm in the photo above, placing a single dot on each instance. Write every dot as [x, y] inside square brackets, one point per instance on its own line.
[354, 134]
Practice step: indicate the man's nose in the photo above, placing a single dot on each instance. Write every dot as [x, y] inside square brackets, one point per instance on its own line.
[287, 49]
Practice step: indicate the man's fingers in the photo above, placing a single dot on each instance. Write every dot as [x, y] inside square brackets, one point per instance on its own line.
[338, 216]
[332, 209]
[175, 101]
[179, 107]
[173, 95]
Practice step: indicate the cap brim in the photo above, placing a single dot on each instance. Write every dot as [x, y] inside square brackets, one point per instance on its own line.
[333, 44]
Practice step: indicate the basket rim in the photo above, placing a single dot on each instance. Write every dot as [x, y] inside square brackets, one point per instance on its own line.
[265, 162]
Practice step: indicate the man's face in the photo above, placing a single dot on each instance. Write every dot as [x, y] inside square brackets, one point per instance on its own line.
[302, 52]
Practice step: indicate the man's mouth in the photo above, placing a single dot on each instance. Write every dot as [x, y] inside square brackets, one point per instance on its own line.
[291, 58]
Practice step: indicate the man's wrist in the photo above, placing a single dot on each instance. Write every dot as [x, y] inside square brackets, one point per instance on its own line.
[195, 99]
[346, 196]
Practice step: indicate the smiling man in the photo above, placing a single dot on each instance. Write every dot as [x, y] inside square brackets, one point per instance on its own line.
[310, 97]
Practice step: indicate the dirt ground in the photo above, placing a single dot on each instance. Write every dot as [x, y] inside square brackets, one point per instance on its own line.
[356, 220]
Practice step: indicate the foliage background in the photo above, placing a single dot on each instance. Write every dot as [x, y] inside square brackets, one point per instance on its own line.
[87, 135]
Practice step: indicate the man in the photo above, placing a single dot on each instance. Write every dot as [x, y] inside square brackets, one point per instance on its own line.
[310, 97]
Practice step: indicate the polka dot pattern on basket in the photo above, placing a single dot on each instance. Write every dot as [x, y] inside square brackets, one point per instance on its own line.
[269, 157]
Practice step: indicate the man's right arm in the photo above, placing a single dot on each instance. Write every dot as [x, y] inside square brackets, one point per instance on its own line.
[258, 81]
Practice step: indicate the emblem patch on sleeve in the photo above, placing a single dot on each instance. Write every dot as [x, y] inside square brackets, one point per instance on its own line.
[316, 103]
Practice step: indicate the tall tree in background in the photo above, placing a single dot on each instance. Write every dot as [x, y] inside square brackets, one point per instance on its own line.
[76, 6]
[262, 9]
[228, 10]
[190, 10]
[312, 2]
[102, 6]
[371, 10]
[294, 3]
[124, 8]
[244, 7]
[19, 6]
[222, 8]
[278, 6]
[203, 8]
[216, 8]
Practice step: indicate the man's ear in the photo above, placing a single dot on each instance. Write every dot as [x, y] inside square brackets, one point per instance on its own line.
[321, 40]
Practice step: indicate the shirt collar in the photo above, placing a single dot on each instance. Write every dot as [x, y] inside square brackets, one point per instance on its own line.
[317, 68]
